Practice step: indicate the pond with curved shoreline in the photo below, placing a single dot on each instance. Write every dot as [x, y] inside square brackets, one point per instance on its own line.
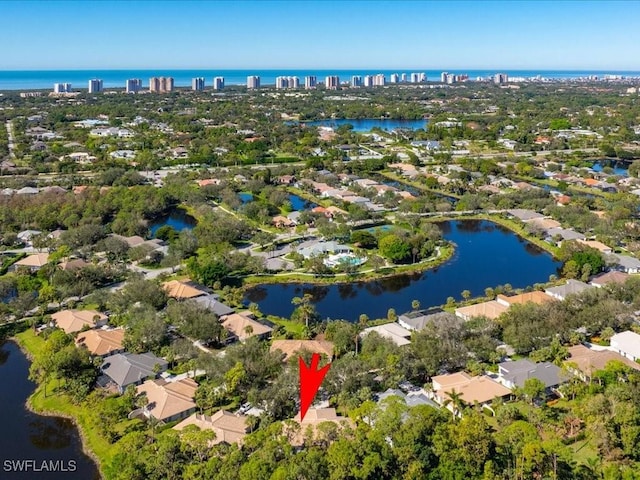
[486, 255]
[50, 443]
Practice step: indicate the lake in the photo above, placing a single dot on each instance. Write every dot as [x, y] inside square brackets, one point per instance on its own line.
[298, 203]
[619, 168]
[486, 255]
[28, 436]
[177, 218]
[366, 124]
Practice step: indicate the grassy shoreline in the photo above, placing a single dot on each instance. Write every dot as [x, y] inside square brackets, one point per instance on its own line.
[60, 405]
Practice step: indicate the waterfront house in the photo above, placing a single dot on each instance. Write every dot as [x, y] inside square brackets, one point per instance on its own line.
[182, 290]
[124, 369]
[572, 287]
[243, 325]
[169, 401]
[391, 331]
[536, 297]
[229, 428]
[291, 348]
[102, 343]
[418, 319]
[491, 310]
[601, 247]
[585, 362]
[627, 344]
[73, 321]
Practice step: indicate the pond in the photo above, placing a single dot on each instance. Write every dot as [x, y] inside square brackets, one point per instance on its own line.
[177, 218]
[298, 203]
[27, 436]
[367, 124]
[245, 197]
[619, 168]
[487, 255]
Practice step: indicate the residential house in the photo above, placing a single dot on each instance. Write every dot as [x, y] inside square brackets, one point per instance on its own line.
[392, 331]
[584, 361]
[612, 277]
[212, 302]
[169, 401]
[313, 419]
[572, 287]
[321, 248]
[182, 290]
[565, 234]
[290, 348]
[243, 325]
[515, 374]
[625, 263]
[286, 179]
[209, 181]
[26, 236]
[627, 344]
[73, 265]
[102, 343]
[536, 297]
[124, 369]
[27, 191]
[280, 221]
[411, 399]
[491, 310]
[481, 389]
[229, 428]
[418, 319]
[73, 321]
[601, 247]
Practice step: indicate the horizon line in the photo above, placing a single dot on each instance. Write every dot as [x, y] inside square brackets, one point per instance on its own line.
[517, 69]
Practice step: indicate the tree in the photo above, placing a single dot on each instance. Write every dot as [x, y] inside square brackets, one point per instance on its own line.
[415, 304]
[534, 389]
[305, 310]
[466, 294]
[394, 248]
[457, 403]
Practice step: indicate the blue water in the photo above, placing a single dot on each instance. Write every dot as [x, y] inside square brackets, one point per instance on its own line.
[619, 168]
[178, 219]
[299, 203]
[40, 79]
[366, 124]
[245, 197]
[487, 255]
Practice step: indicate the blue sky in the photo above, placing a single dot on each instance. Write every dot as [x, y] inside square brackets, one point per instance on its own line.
[240, 34]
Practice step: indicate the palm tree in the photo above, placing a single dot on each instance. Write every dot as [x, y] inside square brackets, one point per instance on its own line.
[456, 401]
[415, 304]
[466, 294]
[305, 308]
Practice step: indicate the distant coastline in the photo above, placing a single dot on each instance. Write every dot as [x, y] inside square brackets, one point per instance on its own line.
[44, 79]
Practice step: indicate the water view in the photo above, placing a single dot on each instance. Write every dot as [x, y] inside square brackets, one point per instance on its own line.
[298, 203]
[486, 255]
[178, 219]
[619, 168]
[27, 436]
[367, 124]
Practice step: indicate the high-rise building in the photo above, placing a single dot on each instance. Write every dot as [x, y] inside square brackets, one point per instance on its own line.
[282, 82]
[356, 81]
[332, 82]
[500, 78]
[294, 82]
[394, 78]
[379, 80]
[197, 84]
[403, 78]
[133, 85]
[61, 87]
[423, 77]
[95, 85]
[218, 83]
[368, 81]
[443, 77]
[253, 82]
[310, 82]
[161, 84]
[450, 78]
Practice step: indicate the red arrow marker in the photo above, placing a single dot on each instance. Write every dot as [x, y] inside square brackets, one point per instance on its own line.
[310, 380]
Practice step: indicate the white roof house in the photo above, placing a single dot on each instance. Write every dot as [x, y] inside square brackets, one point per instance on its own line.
[627, 344]
[394, 332]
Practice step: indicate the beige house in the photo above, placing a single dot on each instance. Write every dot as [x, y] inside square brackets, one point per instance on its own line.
[313, 419]
[536, 297]
[182, 290]
[169, 401]
[243, 325]
[102, 342]
[492, 310]
[72, 321]
[601, 247]
[481, 389]
[292, 347]
[584, 362]
[33, 262]
[229, 428]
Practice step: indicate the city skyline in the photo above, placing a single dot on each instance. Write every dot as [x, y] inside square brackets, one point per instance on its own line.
[323, 35]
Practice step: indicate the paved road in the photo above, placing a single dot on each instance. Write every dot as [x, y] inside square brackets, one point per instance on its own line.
[11, 138]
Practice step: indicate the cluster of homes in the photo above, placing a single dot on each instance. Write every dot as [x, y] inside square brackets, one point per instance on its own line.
[171, 398]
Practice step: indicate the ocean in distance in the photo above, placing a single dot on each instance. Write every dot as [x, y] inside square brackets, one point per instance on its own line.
[44, 79]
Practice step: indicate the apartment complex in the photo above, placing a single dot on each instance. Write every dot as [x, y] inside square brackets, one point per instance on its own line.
[95, 85]
[61, 87]
[253, 82]
[332, 82]
[310, 82]
[133, 85]
[197, 84]
[218, 83]
[161, 84]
